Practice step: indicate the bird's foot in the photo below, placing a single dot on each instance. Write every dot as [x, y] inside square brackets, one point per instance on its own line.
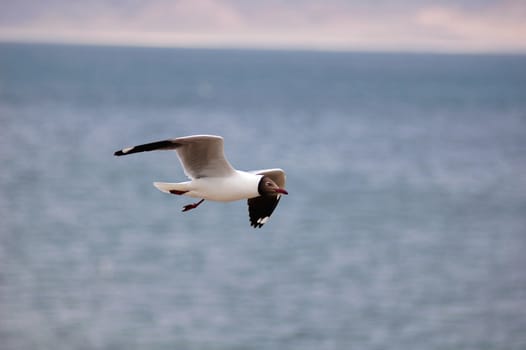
[192, 206]
[177, 192]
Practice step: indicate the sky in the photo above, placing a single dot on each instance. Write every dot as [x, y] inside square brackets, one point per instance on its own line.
[494, 26]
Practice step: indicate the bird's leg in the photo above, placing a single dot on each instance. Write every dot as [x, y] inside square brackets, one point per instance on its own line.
[193, 205]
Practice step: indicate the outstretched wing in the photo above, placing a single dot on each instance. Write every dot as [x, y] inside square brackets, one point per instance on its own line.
[200, 155]
[260, 208]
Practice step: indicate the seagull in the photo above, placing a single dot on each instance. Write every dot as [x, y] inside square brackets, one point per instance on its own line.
[213, 178]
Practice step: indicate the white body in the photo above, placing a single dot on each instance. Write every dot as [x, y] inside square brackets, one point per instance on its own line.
[237, 186]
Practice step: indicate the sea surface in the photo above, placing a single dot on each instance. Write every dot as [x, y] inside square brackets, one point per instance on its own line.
[405, 226]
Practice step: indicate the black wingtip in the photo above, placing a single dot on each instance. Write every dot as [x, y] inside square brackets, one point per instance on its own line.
[125, 151]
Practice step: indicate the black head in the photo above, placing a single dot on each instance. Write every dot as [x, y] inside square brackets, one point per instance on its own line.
[267, 187]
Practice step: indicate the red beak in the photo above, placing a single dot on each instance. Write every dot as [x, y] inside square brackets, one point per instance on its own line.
[281, 190]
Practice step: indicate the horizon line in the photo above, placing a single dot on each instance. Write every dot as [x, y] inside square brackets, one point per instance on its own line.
[269, 48]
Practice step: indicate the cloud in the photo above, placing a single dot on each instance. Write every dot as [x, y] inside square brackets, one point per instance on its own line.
[493, 28]
[466, 25]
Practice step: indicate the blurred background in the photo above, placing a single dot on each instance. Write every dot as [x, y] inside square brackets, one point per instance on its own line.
[402, 129]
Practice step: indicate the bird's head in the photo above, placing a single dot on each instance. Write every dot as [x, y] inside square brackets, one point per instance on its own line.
[267, 187]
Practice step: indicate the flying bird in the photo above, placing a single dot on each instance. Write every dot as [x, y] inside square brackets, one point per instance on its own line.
[213, 178]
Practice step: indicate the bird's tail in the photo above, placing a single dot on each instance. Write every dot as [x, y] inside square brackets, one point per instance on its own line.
[172, 187]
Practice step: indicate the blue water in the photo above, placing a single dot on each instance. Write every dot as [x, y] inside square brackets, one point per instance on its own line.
[405, 227]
